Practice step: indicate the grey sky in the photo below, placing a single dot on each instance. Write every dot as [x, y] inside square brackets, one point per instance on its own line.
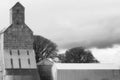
[70, 23]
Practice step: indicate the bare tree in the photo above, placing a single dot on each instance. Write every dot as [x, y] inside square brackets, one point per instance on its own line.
[44, 48]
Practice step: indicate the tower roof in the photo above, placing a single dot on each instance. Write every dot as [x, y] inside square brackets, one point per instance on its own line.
[18, 4]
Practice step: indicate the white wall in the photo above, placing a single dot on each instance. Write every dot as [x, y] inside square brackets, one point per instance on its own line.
[1, 51]
[85, 72]
[23, 56]
[88, 75]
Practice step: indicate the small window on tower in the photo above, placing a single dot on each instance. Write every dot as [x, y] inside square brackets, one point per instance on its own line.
[18, 11]
[17, 23]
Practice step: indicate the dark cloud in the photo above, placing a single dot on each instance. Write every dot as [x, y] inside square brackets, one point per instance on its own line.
[97, 44]
[105, 34]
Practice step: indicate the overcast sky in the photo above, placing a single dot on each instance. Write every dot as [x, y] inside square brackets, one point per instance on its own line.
[94, 24]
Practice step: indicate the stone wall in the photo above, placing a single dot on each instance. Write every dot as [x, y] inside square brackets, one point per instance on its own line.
[18, 37]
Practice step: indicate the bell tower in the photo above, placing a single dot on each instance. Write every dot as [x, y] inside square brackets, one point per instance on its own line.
[17, 14]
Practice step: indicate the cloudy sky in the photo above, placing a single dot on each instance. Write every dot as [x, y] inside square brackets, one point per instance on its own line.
[94, 24]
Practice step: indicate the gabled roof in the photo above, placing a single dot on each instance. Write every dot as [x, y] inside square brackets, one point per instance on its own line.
[18, 4]
[4, 29]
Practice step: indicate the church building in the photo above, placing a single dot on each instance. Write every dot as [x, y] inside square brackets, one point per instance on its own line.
[17, 57]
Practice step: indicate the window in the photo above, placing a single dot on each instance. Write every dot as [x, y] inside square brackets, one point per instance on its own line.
[29, 61]
[19, 63]
[10, 52]
[18, 52]
[27, 52]
[17, 11]
[11, 62]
